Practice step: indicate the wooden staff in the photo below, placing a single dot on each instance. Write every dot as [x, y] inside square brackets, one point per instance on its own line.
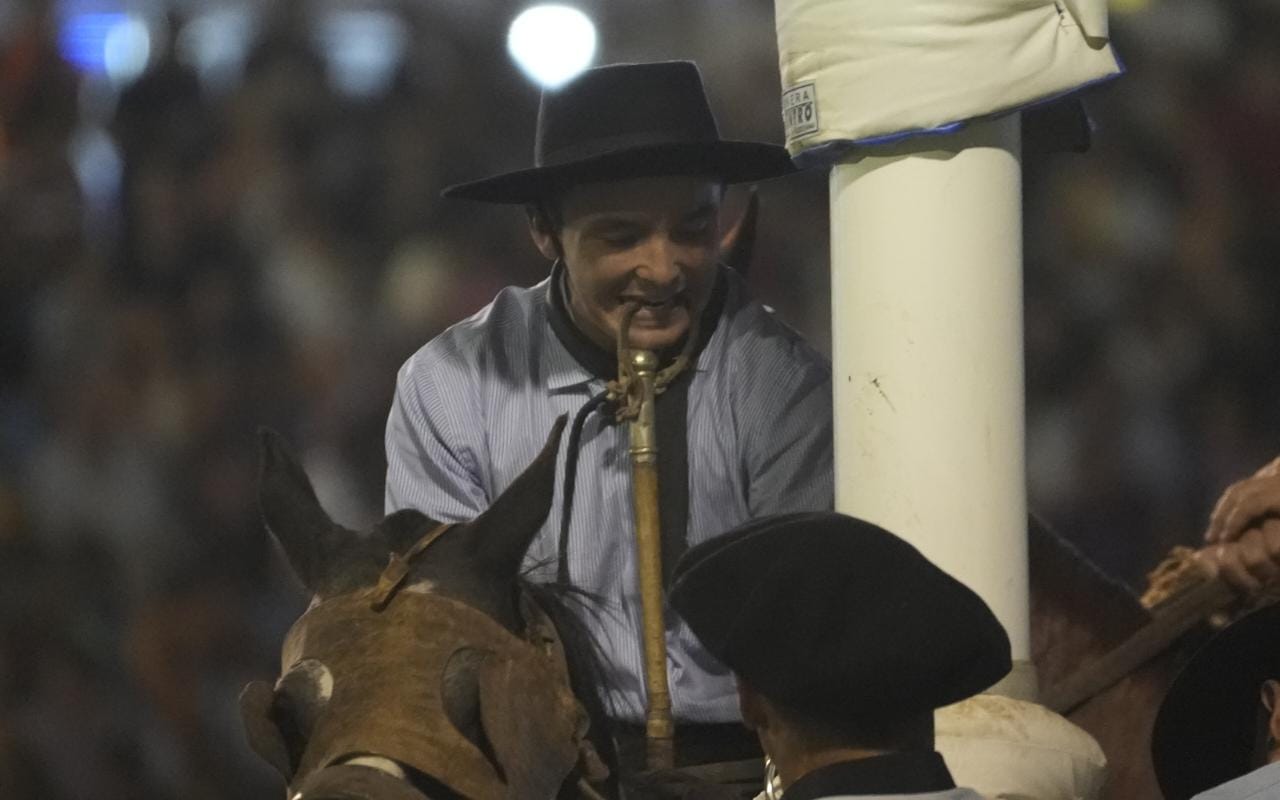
[659, 725]
[636, 389]
[1187, 608]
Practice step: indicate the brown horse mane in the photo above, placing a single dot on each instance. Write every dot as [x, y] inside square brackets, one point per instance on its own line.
[1078, 612]
[566, 605]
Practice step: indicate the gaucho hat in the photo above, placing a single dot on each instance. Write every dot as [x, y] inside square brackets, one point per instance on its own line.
[626, 121]
[1205, 732]
[834, 615]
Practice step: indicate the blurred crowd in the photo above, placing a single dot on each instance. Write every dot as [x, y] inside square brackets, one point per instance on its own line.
[1153, 338]
[183, 260]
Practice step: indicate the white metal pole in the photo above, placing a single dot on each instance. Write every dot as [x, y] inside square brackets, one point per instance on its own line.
[926, 294]
[926, 301]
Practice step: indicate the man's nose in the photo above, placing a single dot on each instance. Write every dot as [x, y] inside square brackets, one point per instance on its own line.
[660, 262]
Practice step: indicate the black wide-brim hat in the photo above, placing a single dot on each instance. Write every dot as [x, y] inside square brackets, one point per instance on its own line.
[628, 121]
[1205, 731]
[829, 614]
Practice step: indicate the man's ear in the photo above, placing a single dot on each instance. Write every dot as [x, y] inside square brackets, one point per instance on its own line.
[738, 241]
[543, 233]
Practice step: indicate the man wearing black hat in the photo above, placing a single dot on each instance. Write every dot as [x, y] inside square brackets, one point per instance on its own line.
[623, 198]
[843, 639]
[1217, 735]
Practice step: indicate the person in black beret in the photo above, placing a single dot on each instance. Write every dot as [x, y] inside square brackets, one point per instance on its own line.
[624, 201]
[1217, 735]
[844, 639]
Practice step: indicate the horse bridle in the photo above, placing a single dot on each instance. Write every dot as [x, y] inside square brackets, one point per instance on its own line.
[397, 569]
[388, 651]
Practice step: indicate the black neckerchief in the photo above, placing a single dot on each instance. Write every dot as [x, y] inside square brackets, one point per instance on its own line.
[894, 773]
[670, 411]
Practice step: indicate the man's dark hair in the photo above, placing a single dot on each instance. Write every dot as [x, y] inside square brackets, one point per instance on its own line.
[547, 216]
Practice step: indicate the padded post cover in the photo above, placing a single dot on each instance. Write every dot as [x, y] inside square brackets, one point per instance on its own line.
[861, 72]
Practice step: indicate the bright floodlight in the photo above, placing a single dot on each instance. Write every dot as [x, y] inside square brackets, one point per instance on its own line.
[552, 43]
[126, 50]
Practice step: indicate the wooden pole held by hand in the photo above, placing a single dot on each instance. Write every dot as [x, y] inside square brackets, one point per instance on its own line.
[659, 725]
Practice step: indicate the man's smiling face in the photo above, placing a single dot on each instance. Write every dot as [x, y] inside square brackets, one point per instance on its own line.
[650, 240]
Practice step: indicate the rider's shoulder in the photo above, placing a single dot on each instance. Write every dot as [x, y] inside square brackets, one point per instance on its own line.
[506, 322]
[758, 337]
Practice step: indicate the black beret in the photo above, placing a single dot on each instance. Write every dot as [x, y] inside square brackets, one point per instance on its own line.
[1205, 730]
[821, 612]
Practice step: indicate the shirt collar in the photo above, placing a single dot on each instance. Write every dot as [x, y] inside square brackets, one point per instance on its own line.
[561, 369]
[571, 358]
[893, 773]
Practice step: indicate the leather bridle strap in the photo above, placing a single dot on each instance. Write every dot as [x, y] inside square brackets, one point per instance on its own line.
[398, 567]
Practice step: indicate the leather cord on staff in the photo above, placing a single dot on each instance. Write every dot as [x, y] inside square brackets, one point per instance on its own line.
[622, 391]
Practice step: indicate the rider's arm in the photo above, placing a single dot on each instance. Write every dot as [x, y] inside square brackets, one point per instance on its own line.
[788, 438]
[431, 451]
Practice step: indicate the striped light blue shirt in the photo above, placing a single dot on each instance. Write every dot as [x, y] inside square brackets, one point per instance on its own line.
[1261, 784]
[473, 407]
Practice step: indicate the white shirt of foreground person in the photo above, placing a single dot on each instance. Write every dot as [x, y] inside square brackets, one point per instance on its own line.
[1261, 784]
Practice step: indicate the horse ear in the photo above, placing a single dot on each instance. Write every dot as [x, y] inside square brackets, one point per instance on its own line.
[292, 511]
[509, 525]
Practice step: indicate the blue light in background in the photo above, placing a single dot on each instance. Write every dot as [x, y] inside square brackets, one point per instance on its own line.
[110, 44]
[83, 39]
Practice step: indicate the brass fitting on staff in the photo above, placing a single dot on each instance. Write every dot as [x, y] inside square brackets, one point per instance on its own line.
[644, 437]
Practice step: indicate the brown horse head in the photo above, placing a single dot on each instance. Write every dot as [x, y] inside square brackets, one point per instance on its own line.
[421, 668]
